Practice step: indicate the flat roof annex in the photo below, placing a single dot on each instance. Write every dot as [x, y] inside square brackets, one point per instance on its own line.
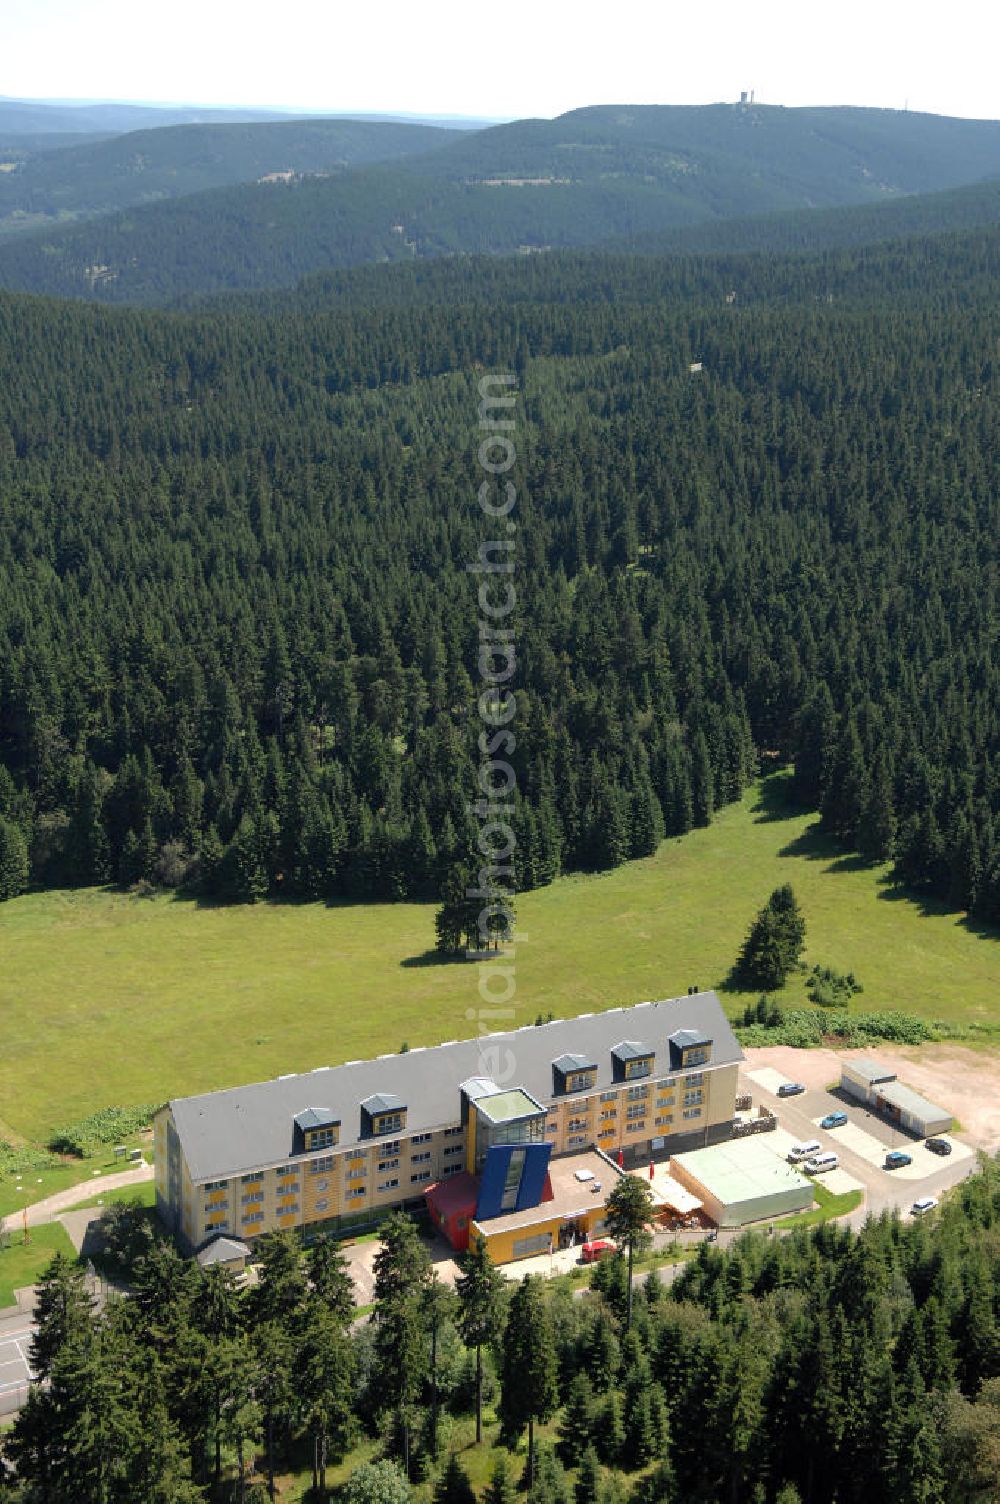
[740, 1170]
[228, 1133]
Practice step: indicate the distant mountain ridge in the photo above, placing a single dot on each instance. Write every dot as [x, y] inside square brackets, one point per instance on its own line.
[124, 171]
[635, 176]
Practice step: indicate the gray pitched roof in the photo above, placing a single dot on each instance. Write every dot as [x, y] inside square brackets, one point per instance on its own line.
[382, 1101]
[570, 1063]
[684, 1038]
[632, 1049]
[227, 1133]
[316, 1117]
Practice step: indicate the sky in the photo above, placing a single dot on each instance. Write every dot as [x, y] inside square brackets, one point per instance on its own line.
[500, 60]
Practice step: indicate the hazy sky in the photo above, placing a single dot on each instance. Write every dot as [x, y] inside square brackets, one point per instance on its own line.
[506, 58]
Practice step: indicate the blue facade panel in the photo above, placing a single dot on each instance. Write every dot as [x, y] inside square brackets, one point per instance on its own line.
[534, 1160]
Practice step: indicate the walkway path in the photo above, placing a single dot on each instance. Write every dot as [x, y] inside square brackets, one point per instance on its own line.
[49, 1208]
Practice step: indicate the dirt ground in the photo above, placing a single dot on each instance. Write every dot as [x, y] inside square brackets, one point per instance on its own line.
[965, 1081]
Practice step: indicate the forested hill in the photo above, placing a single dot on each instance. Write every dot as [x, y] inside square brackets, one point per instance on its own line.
[238, 642]
[143, 166]
[588, 177]
[922, 214]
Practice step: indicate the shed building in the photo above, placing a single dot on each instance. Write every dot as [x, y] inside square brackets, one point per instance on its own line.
[878, 1088]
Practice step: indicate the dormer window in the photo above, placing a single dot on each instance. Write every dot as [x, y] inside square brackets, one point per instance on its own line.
[632, 1060]
[315, 1128]
[573, 1073]
[688, 1048]
[382, 1113]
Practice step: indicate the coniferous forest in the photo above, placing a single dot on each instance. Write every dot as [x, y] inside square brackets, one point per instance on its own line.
[238, 635]
[861, 1368]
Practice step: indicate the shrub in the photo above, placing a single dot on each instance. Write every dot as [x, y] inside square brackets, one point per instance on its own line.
[832, 989]
[108, 1126]
[804, 1028]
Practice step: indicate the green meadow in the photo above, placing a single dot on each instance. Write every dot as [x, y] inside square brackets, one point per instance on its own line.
[107, 998]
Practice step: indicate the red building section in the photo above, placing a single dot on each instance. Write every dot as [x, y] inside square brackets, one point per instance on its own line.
[452, 1206]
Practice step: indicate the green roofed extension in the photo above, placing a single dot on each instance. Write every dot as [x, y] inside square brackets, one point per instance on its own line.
[508, 1106]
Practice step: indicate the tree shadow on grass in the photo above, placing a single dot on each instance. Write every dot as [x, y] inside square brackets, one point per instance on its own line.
[815, 846]
[434, 958]
[775, 800]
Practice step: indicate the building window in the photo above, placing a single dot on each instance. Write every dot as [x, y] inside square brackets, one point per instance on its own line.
[634, 1068]
[252, 1178]
[420, 1159]
[420, 1175]
[215, 1185]
[539, 1242]
[453, 1132]
[288, 1190]
[252, 1196]
[634, 1127]
[285, 1170]
[389, 1185]
[216, 1206]
[420, 1138]
[354, 1192]
[322, 1185]
[453, 1149]
[291, 1210]
[390, 1123]
[321, 1166]
[691, 1097]
[577, 1138]
[250, 1217]
[608, 1114]
[388, 1164]
[453, 1169]
[665, 1121]
[635, 1092]
[577, 1125]
[322, 1205]
[698, 1079]
[692, 1112]
[637, 1111]
[321, 1138]
[392, 1148]
[609, 1096]
[698, 1055]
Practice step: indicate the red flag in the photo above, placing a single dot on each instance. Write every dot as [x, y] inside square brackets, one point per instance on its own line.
[621, 1158]
[650, 1169]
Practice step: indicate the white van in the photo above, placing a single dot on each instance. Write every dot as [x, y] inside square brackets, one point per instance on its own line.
[805, 1151]
[821, 1162]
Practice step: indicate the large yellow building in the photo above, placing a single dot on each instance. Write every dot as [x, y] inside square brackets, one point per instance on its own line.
[333, 1148]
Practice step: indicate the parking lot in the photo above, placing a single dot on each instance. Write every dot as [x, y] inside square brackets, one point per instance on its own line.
[14, 1371]
[861, 1144]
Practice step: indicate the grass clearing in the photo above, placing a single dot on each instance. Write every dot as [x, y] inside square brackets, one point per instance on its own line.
[22, 1262]
[108, 998]
[828, 1206]
[46, 1179]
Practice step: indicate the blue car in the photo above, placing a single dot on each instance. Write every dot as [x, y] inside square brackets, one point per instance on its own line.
[897, 1159]
[834, 1120]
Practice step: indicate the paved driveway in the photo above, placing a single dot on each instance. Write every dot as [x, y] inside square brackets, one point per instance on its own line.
[15, 1338]
[861, 1146]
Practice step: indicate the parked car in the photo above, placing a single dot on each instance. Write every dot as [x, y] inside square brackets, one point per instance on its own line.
[805, 1151]
[821, 1162]
[599, 1249]
[896, 1159]
[939, 1146]
[790, 1089]
[924, 1204]
[834, 1120]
